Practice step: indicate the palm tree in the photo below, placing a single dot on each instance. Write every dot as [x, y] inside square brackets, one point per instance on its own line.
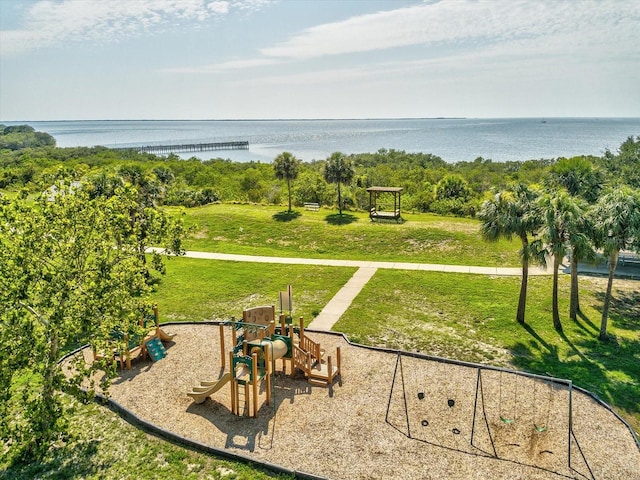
[338, 169]
[561, 213]
[581, 179]
[578, 175]
[286, 167]
[580, 240]
[617, 224]
[513, 212]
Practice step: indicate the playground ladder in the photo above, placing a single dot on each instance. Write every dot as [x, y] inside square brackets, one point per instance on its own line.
[243, 404]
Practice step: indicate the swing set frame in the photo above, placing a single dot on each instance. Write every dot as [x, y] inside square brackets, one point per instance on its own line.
[479, 421]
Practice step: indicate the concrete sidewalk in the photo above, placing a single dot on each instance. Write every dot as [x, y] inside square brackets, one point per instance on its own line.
[431, 267]
[341, 301]
[333, 310]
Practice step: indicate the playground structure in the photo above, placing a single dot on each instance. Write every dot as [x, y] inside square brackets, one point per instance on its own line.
[487, 411]
[416, 437]
[135, 345]
[257, 344]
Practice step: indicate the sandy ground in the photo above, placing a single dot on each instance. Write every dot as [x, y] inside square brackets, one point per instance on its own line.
[386, 417]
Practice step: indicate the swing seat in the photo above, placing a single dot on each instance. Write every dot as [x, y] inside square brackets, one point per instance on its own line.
[508, 421]
[541, 428]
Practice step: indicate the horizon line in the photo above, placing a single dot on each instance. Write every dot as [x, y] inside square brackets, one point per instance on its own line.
[308, 119]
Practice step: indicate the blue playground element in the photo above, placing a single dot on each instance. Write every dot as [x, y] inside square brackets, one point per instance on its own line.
[156, 349]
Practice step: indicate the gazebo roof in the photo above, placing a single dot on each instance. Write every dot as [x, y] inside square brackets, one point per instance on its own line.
[385, 189]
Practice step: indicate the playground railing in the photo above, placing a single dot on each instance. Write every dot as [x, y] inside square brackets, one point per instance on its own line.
[301, 360]
[312, 347]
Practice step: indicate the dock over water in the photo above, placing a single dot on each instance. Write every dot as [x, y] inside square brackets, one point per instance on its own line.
[188, 147]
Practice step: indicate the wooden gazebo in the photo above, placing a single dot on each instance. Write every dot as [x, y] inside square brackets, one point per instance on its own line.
[383, 209]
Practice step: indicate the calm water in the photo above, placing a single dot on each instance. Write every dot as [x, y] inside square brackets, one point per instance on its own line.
[452, 139]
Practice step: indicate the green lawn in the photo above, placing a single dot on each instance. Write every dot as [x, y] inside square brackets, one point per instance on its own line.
[196, 290]
[267, 230]
[103, 446]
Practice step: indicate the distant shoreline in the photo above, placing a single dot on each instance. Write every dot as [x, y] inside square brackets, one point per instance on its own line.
[450, 138]
[312, 119]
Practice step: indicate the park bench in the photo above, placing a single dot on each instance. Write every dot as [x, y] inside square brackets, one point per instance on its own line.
[312, 206]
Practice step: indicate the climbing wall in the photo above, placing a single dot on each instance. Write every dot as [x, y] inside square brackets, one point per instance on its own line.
[258, 316]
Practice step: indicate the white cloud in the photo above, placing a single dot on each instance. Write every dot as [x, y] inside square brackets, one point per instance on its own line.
[471, 21]
[50, 22]
[225, 66]
[481, 32]
[219, 7]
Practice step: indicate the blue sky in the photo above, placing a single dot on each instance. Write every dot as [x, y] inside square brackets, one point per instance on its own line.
[248, 59]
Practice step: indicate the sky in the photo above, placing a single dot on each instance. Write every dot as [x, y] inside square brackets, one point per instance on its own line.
[263, 59]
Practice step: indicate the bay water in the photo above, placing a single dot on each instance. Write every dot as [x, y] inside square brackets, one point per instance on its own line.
[452, 139]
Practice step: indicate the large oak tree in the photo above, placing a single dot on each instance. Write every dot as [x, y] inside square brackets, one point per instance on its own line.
[69, 268]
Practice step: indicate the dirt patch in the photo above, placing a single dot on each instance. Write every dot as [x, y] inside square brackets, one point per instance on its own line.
[470, 228]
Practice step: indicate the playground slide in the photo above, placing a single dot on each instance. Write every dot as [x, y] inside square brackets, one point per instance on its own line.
[200, 393]
[164, 336]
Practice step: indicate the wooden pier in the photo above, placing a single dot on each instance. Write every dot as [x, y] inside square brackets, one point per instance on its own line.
[188, 147]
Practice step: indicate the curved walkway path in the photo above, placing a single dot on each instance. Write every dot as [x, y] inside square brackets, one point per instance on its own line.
[341, 301]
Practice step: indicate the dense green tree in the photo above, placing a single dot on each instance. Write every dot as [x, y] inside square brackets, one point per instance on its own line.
[514, 213]
[578, 176]
[286, 167]
[143, 212]
[252, 185]
[453, 187]
[164, 174]
[18, 137]
[104, 184]
[624, 167]
[338, 170]
[616, 217]
[452, 195]
[69, 268]
[311, 187]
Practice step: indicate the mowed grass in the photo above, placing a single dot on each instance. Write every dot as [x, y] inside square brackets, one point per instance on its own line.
[103, 446]
[196, 289]
[472, 318]
[267, 230]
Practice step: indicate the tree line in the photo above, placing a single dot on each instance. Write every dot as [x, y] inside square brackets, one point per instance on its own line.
[565, 217]
[429, 183]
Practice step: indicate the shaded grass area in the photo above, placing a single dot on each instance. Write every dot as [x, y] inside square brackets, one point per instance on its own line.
[195, 289]
[103, 446]
[266, 230]
[472, 318]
